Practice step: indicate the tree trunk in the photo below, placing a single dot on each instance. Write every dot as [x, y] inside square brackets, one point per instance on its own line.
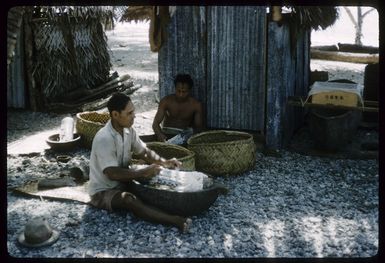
[359, 26]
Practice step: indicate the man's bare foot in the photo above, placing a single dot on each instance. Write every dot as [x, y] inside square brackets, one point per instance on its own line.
[184, 224]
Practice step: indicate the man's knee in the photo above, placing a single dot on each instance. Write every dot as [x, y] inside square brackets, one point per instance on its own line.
[128, 197]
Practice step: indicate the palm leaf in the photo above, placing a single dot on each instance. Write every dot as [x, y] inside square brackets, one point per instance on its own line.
[314, 17]
[71, 49]
[137, 13]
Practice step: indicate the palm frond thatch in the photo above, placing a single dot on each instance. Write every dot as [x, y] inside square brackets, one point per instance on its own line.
[14, 20]
[82, 12]
[71, 53]
[314, 17]
[137, 13]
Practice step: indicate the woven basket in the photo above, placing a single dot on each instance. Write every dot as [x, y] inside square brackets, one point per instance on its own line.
[89, 123]
[223, 152]
[169, 151]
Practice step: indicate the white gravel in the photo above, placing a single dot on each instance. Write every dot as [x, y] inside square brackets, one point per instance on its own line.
[289, 206]
[292, 206]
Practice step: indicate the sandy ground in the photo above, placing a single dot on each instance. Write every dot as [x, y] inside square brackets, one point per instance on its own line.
[131, 54]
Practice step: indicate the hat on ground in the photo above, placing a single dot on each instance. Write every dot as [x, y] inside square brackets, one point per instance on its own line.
[37, 233]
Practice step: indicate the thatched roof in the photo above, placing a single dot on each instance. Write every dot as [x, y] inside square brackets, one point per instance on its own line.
[81, 12]
[14, 19]
[71, 48]
[314, 17]
[137, 13]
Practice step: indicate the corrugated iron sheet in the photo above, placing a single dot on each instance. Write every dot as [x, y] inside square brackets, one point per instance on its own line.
[236, 67]
[16, 96]
[184, 51]
[242, 86]
[223, 49]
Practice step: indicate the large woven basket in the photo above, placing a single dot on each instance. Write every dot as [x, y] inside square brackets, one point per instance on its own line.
[168, 151]
[89, 123]
[223, 152]
[178, 203]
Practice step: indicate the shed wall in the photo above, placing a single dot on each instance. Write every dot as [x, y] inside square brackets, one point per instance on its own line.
[242, 66]
[223, 49]
[184, 51]
[236, 67]
[16, 95]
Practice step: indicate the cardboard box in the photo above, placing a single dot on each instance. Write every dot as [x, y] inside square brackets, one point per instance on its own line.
[342, 94]
[336, 98]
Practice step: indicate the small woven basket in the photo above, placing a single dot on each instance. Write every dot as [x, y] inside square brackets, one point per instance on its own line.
[89, 123]
[223, 152]
[169, 151]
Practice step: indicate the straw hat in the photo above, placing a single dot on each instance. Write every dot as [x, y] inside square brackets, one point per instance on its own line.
[37, 233]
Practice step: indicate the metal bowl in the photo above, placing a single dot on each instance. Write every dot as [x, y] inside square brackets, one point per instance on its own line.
[59, 146]
[178, 203]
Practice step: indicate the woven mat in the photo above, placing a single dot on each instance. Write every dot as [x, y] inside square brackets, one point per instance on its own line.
[67, 193]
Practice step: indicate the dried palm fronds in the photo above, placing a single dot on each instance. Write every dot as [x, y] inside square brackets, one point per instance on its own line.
[14, 19]
[71, 51]
[137, 13]
[306, 18]
[54, 13]
[314, 17]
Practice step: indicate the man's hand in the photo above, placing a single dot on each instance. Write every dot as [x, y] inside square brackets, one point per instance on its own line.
[151, 171]
[172, 163]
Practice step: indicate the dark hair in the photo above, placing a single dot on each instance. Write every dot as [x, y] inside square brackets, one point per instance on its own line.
[184, 78]
[118, 102]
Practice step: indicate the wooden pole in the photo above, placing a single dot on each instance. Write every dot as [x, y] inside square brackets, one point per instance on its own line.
[344, 56]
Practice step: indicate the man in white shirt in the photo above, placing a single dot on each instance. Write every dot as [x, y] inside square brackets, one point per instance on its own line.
[109, 166]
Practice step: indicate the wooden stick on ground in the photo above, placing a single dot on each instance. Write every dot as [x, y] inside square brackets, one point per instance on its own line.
[344, 56]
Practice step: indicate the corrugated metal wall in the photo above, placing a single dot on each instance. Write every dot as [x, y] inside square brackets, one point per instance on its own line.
[16, 95]
[236, 67]
[185, 51]
[243, 68]
[225, 56]
[287, 75]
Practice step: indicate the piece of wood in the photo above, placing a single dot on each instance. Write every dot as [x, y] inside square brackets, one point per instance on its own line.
[81, 105]
[344, 56]
[78, 93]
[103, 102]
[326, 48]
[357, 48]
[78, 105]
[50, 183]
[100, 92]
[352, 48]
[369, 106]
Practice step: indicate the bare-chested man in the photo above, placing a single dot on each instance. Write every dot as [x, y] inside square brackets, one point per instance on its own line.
[179, 112]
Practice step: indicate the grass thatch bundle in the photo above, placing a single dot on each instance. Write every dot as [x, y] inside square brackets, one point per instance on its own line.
[306, 18]
[71, 50]
[14, 20]
[314, 17]
[137, 13]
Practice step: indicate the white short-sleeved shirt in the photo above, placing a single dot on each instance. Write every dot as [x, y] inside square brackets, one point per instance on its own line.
[109, 149]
